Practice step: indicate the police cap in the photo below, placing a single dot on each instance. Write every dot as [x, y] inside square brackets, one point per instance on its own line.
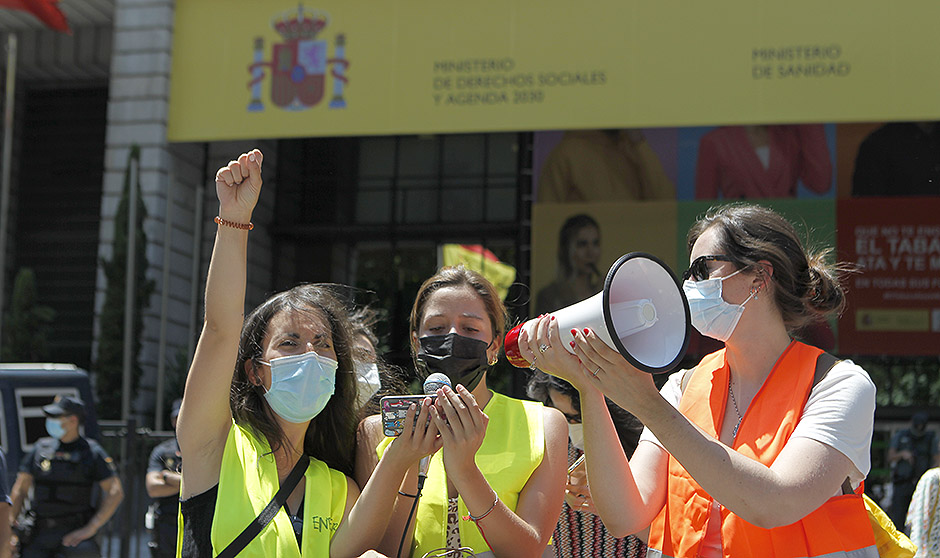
[65, 405]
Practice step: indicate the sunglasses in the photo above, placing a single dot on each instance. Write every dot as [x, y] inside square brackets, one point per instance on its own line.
[699, 268]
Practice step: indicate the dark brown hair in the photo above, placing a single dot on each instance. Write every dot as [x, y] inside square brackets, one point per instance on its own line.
[460, 276]
[628, 427]
[330, 436]
[807, 287]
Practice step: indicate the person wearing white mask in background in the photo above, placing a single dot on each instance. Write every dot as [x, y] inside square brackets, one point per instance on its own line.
[762, 448]
[365, 342]
[580, 533]
[270, 398]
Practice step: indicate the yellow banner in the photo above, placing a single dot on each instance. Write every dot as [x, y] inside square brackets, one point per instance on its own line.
[892, 319]
[248, 69]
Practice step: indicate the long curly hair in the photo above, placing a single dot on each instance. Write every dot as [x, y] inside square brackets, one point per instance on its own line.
[330, 435]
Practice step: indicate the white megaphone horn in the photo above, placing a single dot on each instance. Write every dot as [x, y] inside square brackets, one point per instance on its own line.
[642, 313]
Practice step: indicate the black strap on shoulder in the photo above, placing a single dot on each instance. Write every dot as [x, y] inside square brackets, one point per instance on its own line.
[268, 513]
[824, 363]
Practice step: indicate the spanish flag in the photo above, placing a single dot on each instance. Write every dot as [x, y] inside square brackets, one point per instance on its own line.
[484, 262]
[45, 11]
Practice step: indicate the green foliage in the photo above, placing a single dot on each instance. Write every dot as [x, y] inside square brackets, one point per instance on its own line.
[27, 325]
[904, 381]
[109, 362]
[175, 376]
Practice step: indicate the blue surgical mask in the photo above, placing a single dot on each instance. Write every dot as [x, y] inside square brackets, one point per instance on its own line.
[54, 428]
[301, 385]
[711, 314]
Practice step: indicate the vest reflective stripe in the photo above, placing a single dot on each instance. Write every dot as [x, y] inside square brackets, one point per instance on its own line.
[837, 527]
[247, 483]
[867, 552]
[511, 451]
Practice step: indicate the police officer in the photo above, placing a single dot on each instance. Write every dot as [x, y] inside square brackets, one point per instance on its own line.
[911, 452]
[63, 470]
[163, 485]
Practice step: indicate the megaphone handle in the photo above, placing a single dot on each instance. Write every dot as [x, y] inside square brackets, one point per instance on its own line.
[513, 355]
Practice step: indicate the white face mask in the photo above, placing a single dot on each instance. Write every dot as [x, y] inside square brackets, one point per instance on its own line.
[711, 315]
[576, 434]
[367, 378]
[301, 385]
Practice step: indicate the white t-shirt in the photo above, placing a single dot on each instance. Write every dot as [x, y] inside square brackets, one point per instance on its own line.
[840, 413]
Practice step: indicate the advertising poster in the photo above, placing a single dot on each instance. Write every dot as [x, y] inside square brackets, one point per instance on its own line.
[894, 300]
[574, 245]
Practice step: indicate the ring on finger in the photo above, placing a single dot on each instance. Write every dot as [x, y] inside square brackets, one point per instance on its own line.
[596, 370]
[543, 347]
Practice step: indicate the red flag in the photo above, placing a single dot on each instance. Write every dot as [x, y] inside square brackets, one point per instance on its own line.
[45, 10]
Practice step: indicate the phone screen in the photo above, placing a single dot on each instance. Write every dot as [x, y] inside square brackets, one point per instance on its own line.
[394, 409]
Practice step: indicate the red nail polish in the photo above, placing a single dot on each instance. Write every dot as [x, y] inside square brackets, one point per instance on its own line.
[553, 318]
[574, 331]
[586, 331]
[571, 343]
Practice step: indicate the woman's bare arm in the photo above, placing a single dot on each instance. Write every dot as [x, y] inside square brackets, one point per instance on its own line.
[205, 417]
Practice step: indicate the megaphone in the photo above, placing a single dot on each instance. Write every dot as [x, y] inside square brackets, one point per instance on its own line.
[642, 313]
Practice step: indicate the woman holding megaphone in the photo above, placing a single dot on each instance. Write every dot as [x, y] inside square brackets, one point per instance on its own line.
[759, 450]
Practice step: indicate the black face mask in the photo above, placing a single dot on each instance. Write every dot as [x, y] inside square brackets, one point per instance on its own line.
[462, 359]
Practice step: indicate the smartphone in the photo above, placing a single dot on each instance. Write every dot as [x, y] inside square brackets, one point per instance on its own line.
[394, 410]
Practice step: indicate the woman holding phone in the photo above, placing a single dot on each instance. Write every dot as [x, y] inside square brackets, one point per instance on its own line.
[497, 485]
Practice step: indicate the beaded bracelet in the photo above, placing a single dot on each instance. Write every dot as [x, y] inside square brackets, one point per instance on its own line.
[241, 226]
[475, 518]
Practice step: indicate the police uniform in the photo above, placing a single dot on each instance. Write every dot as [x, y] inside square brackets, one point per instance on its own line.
[165, 457]
[64, 476]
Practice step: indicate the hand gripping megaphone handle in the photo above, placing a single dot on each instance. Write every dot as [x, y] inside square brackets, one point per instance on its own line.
[641, 313]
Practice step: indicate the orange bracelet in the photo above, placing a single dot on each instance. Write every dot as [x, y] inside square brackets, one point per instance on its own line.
[241, 226]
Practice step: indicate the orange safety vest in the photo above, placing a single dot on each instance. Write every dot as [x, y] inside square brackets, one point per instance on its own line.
[838, 528]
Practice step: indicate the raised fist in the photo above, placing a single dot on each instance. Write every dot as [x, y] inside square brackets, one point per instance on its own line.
[238, 185]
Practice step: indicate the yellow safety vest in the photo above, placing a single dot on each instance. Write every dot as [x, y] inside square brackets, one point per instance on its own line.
[511, 451]
[247, 483]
